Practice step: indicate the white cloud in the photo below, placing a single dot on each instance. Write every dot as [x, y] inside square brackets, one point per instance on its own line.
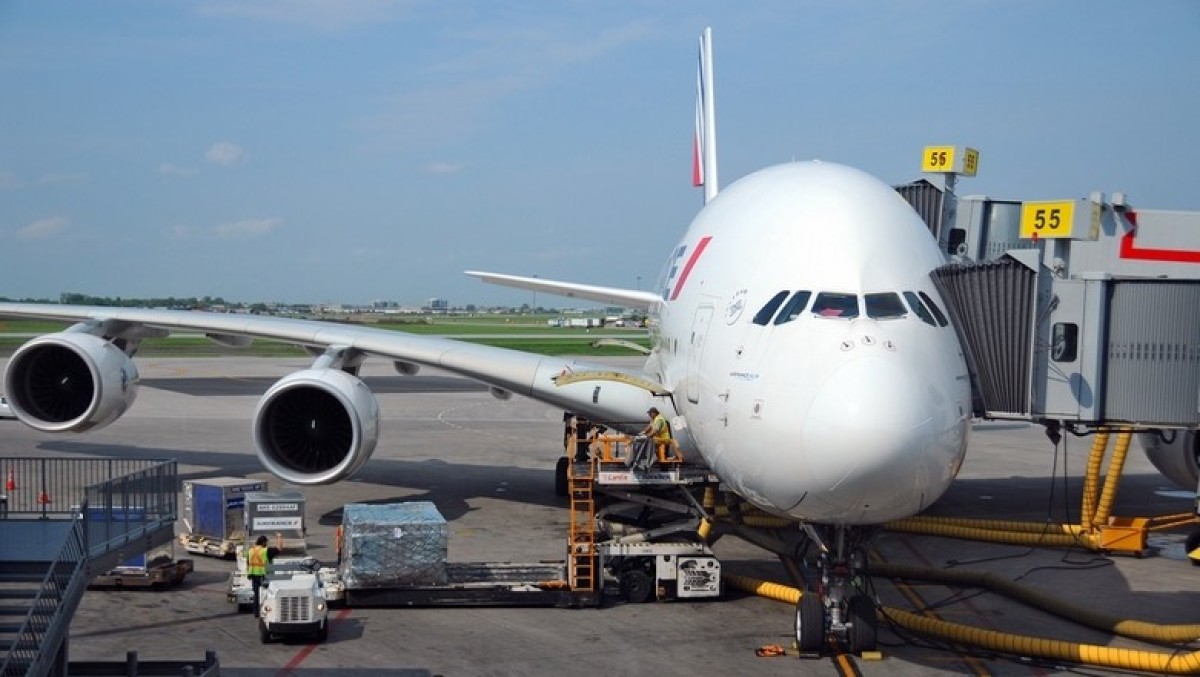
[9, 181]
[225, 153]
[177, 170]
[444, 168]
[62, 177]
[181, 232]
[488, 66]
[247, 228]
[325, 15]
[42, 228]
[536, 54]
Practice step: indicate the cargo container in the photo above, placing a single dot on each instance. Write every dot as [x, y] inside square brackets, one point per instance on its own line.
[394, 544]
[278, 515]
[214, 514]
[214, 507]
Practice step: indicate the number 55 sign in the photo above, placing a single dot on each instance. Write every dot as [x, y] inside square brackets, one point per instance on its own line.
[1048, 219]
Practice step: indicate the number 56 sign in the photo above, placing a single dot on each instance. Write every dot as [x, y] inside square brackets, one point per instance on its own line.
[950, 160]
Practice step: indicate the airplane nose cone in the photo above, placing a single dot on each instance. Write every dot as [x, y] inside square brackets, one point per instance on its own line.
[864, 437]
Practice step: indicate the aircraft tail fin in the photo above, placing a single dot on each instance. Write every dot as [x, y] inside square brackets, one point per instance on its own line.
[704, 146]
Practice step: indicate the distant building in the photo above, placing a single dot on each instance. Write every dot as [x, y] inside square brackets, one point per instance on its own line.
[437, 304]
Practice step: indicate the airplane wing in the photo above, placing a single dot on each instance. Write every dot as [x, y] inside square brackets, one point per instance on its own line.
[84, 378]
[629, 298]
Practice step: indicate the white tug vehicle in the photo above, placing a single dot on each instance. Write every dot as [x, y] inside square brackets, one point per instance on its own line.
[293, 600]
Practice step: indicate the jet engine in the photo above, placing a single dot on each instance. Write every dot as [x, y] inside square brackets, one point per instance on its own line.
[1176, 454]
[316, 426]
[70, 382]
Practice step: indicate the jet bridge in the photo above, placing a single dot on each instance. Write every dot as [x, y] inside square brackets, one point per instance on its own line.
[1091, 319]
[1084, 315]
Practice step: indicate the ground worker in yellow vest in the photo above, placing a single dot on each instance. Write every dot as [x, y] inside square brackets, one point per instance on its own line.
[656, 432]
[257, 559]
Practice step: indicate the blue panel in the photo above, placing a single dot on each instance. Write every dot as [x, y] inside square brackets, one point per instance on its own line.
[134, 513]
[209, 508]
[138, 561]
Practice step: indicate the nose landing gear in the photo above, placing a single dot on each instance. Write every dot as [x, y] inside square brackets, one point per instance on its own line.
[835, 603]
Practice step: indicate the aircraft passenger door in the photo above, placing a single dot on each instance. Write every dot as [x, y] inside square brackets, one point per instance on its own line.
[696, 352]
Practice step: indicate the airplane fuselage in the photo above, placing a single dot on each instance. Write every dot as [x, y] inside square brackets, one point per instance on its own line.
[809, 364]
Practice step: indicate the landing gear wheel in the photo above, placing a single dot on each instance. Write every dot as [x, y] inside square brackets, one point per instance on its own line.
[810, 623]
[1191, 545]
[635, 586]
[560, 476]
[860, 613]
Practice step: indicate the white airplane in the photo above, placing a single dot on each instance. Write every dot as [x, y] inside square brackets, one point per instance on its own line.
[799, 347]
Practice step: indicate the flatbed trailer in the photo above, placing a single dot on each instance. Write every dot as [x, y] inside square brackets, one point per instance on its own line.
[162, 575]
[502, 584]
[210, 546]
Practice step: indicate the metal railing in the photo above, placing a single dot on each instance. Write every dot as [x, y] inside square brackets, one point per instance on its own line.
[121, 509]
[106, 512]
[55, 487]
[132, 665]
[48, 620]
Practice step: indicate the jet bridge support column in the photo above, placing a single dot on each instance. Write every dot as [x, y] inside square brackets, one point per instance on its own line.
[1192, 545]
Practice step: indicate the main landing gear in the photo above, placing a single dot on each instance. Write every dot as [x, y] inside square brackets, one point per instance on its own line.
[835, 602]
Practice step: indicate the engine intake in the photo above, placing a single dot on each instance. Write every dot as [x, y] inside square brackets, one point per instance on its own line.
[70, 382]
[1176, 454]
[316, 426]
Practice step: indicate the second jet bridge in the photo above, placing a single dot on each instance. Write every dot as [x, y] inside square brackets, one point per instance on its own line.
[1075, 330]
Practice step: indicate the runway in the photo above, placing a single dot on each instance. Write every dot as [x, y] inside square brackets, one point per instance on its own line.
[488, 466]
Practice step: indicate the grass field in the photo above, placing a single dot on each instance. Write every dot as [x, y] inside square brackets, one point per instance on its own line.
[526, 333]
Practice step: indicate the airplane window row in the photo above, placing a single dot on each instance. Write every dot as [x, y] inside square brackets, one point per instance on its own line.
[844, 306]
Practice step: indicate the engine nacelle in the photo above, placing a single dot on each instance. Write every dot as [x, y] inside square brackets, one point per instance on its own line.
[316, 426]
[1176, 454]
[69, 382]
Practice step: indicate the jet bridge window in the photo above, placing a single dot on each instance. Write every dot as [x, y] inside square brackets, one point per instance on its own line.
[933, 307]
[836, 304]
[792, 309]
[1064, 342]
[919, 308]
[884, 306]
[763, 317]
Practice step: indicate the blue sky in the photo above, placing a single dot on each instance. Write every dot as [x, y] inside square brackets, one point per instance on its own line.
[312, 150]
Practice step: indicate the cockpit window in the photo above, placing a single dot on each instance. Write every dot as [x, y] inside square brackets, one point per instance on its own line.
[836, 304]
[919, 308]
[764, 316]
[884, 306]
[792, 309]
[933, 307]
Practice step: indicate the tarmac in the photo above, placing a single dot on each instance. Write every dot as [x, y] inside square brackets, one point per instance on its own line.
[488, 464]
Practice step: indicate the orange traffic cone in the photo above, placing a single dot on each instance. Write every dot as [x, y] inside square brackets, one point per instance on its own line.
[10, 483]
[43, 498]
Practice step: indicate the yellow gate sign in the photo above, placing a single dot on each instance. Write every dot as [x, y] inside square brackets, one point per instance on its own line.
[1055, 219]
[950, 160]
